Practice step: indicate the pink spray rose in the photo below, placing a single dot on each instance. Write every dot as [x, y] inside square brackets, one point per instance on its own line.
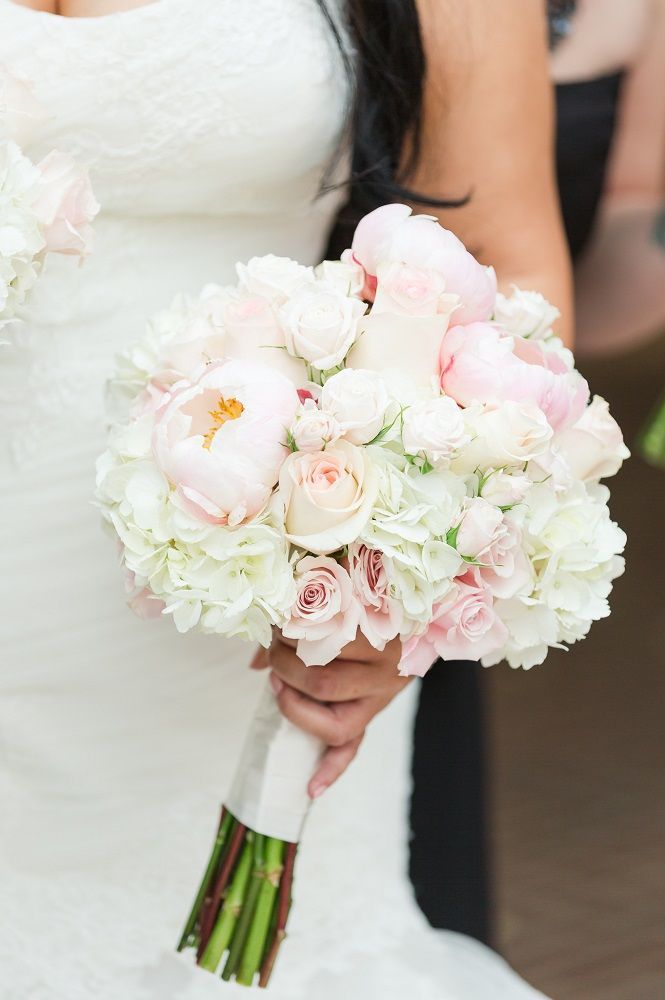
[66, 205]
[325, 615]
[391, 234]
[481, 363]
[380, 615]
[464, 627]
[221, 439]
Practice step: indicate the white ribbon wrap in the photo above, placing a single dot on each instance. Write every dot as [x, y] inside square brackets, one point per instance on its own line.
[269, 792]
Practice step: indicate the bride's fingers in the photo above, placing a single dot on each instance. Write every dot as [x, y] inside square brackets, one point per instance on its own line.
[334, 724]
[260, 660]
[343, 680]
[333, 764]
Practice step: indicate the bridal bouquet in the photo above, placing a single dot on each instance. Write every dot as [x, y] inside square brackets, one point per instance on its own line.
[47, 207]
[384, 444]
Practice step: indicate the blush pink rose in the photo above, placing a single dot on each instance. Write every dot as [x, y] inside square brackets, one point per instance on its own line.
[221, 440]
[325, 615]
[464, 627]
[327, 496]
[66, 206]
[411, 291]
[380, 615]
[481, 363]
[392, 235]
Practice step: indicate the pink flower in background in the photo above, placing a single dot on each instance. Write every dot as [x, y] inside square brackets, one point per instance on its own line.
[391, 234]
[325, 615]
[480, 363]
[141, 600]
[66, 205]
[380, 615]
[221, 440]
[464, 627]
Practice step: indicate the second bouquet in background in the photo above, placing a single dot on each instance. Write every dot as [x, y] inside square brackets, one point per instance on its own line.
[384, 445]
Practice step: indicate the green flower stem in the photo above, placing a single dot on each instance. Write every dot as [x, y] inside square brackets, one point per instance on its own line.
[222, 833]
[226, 922]
[212, 905]
[283, 906]
[256, 938]
[248, 907]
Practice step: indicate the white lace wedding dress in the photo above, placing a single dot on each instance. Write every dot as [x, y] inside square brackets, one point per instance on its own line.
[207, 126]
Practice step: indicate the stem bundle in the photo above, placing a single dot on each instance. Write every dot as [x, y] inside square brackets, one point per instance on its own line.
[242, 904]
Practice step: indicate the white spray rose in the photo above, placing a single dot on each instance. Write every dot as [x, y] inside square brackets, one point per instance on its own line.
[358, 400]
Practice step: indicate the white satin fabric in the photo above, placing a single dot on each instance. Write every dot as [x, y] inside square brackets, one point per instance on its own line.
[207, 126]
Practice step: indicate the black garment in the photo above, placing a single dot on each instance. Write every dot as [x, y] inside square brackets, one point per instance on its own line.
[449, 862]
[586, 118]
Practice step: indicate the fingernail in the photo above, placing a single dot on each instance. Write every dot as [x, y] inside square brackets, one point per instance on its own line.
[276, 684]
[317, 790]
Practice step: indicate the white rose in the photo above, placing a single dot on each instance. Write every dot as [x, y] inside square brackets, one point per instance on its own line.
[404, 348]
[435, 427]
[594, 447]
[507, 434]
[525, 314]
[358, 400]
[320, 324]
[504, 489]
[327, 496]
[344, 275]
[276, 278]
[313, 429]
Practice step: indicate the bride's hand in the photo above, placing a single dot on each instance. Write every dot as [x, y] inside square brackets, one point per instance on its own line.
[335, 702]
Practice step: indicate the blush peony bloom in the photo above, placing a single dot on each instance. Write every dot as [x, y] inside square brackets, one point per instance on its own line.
[391, 234]
[221, 440]
[66, 206]
[481, 363]
[464, 627]
[325, 615]
[327, 496]
[380, 615]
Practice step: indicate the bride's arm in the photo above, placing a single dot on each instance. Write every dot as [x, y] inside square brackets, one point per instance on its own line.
[487, 131]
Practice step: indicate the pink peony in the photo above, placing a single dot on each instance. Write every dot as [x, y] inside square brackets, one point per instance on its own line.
[481, 363]
[66, 206]
[221, 439]
[392, 235]
[464, 627]
[325, 615]
[380, 614]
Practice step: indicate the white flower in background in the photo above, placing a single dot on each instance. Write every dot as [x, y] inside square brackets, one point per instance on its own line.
[21, 238]
[320, 324]
[344, 275]
[313, 429]
[435, 428]
[21, 114]
[275, 278]
[359, 401]
[525, 314]
[593, 447]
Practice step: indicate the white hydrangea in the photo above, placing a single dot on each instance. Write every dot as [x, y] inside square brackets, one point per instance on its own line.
[410, 521]
[21, 238]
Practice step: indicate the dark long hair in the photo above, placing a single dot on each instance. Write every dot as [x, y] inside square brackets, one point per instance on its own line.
[387, 74]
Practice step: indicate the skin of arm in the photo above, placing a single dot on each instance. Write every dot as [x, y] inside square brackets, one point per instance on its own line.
[487, 131]
[620, 283]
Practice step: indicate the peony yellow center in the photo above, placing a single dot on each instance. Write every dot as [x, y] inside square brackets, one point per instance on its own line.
[227, 409]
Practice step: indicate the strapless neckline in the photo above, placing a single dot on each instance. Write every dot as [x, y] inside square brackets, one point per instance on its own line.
[112, 15]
